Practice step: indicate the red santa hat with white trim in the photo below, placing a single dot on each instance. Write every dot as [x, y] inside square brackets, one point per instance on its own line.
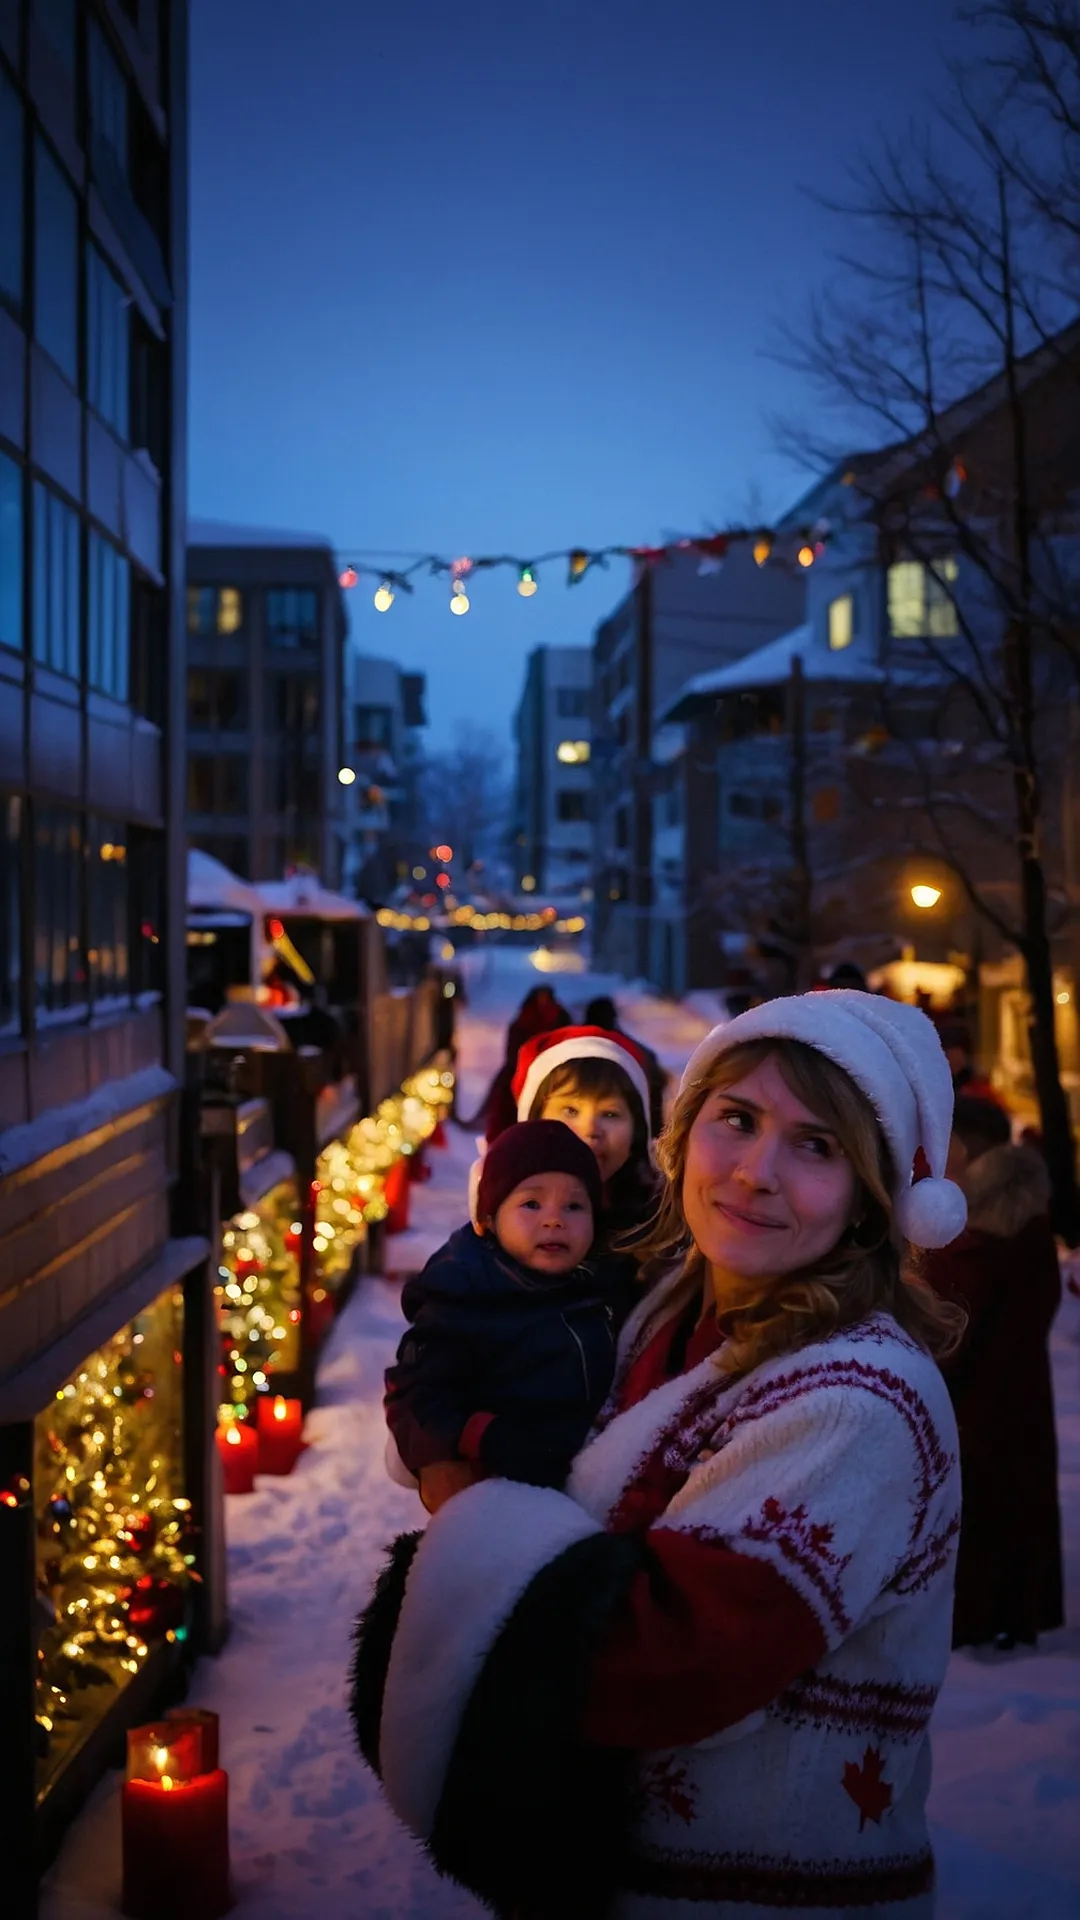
[543, 1054]
[893, 1054]
[546, 1051]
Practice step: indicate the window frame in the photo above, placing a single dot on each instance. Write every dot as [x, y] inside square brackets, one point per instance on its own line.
[293, 634]
[58, 1003]
[13, 170]
[13, 552]
[936, 617]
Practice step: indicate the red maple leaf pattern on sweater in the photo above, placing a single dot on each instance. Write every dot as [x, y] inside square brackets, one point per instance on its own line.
[867, 1786]
[666, 1784]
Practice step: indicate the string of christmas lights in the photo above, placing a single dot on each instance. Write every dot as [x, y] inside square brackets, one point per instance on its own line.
[795, 546]
[258, 1290]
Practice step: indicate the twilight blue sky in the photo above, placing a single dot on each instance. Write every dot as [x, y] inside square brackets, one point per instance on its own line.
[499, 276]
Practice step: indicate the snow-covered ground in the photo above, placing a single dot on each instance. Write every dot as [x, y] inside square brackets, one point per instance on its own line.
[311, 1835]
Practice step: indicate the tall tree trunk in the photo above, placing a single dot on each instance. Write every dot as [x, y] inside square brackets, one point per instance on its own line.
[802, 888]
[1054, 1115]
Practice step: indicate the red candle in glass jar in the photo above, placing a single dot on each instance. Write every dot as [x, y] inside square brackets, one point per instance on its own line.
[280, 1425]
[238, 1445]
[176, 1847]
[175, 1824]
[207, 1728]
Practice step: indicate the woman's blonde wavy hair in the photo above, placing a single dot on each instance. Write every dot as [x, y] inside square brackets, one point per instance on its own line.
[868, 1270]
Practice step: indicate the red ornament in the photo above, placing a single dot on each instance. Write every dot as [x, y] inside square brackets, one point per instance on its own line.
[156, 1607]
[136, 1531]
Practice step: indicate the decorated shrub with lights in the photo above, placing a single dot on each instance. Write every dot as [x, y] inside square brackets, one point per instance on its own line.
[114, 1559]
[258, 1296]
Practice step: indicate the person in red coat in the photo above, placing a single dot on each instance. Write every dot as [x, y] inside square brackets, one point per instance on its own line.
[1004, 1270]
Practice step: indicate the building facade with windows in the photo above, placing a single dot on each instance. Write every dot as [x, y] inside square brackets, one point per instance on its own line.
[675, 622]
[551, 841]
[383, 815]
[266, 739]
[93, 353]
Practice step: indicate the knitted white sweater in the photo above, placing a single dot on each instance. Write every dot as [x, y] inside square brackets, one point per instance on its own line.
[825, 1488]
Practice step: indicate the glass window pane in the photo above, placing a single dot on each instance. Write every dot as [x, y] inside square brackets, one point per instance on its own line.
[109, 636]
[841, 622]
[108, 910]
[292, 616]
[11, 553]
[107, 343]
[11, 198]
[201, 610]
[59, 971]
[11, 812]
[56, 20]
[56, 582]
[907, 599]
[940, 605]
[230, 610]
[55, 264]
[108, 96]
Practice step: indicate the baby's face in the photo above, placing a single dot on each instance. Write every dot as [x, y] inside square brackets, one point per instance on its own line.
[546, 1223]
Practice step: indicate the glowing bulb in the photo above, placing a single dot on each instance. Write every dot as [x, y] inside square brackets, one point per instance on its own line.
[806, 556]
[346, 776]
[527, 583]
[926, 896]
[762, 550]
[384, 597]
[160, 1757]
[1063, 998]
[348, 577]
[459, 600]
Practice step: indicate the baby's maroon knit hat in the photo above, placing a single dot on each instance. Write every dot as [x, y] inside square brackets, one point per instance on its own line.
[530, 1147]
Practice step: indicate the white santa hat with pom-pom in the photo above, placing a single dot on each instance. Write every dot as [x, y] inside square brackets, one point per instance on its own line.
[894, 1055]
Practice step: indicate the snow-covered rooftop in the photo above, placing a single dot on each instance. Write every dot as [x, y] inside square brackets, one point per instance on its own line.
[220, 533]
[770, 666]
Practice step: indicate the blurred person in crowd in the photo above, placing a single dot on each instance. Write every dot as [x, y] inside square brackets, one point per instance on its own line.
[1004, 1271]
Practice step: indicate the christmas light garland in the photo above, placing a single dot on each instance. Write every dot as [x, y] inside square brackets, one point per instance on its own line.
[113, 1552]
[795, 546]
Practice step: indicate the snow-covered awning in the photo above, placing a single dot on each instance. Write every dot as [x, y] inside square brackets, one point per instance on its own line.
[770, 666]
[304, 893]
[213, 888]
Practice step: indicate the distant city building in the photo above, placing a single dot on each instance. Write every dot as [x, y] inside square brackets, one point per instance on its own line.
[266, 632]
[385, 722]
[676, 621]
[551, 841]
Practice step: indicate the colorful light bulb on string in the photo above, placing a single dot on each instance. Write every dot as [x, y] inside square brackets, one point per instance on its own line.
[762, 548]
[348, 577]
[527, 583]
[806, 556]
[459, 599]
[384, 597]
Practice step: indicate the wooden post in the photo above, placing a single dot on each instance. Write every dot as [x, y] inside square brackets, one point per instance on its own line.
[800, 855]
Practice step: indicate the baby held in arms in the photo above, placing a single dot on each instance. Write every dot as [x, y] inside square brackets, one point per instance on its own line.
[510, 1350]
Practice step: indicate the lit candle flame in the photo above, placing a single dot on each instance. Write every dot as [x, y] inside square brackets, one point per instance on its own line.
[233, 1437]
[160, 1758]
[279, 1408]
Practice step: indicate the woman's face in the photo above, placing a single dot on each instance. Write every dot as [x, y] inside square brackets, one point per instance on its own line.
[604, 1122]
[767, 1188]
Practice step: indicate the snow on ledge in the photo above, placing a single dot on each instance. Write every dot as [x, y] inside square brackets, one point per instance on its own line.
[21, 1146]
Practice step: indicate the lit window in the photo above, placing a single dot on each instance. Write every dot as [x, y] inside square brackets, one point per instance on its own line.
[230, 612]
[573, 753]
[841, 622]
[921, 599]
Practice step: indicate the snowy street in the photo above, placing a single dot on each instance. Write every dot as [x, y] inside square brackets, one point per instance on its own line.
[310, 1833]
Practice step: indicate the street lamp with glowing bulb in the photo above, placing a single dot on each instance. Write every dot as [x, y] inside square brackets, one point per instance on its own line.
[346, 776]
[924, 896]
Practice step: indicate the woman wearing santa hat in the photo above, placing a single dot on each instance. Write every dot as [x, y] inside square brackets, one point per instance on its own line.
[703, 1675]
